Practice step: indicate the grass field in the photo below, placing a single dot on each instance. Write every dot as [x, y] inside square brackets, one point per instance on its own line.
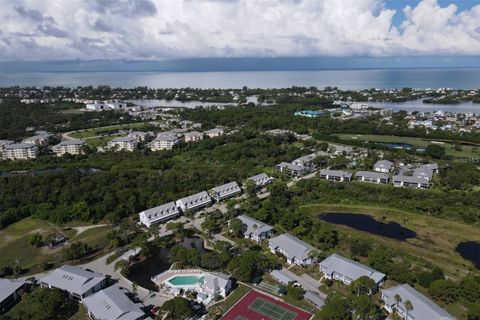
[466, 151]
[82, 134]
[436, 238]
[15, 242]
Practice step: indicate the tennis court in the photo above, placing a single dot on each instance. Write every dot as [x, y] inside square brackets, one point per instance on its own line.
[258, 306]
[271, 310]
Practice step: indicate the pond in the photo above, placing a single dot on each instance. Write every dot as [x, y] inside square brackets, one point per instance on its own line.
[470, 250]
[406, 146]
[143, 271]
[363, 222]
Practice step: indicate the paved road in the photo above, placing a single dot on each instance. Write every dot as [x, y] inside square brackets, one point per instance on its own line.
[306, 281]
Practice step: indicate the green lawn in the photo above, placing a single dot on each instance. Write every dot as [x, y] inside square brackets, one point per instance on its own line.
[436, 238]
[15, 243]
[97, 131]
[466, 151]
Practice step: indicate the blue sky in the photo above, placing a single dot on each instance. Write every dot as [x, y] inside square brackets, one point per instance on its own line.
[156, 30]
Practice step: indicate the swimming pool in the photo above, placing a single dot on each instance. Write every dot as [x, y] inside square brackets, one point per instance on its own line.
[186, 280]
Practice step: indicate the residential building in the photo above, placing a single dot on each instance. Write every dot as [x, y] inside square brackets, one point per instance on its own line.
[254, 229]
[19, 151]
[77, 282]
[3, 144]
[193, 136]
[383, 166]
[140, 136]
[375, 177]
[159, 214]
[164, 141]
[314, 298]
[336, 267]
[295, 250]
[432, 166]
[291, 169]
[194, 202]
[281, 277]
[260, 180]
[10, 291]
[339, 150]
[423, 308]
[423, 173]
[72, 147]
[307, 161]
[106, 105]
[123, 143]
[408, 181]
[335, 175]
[113, 303]
[216, 132]
[225, 191]
[39, 139]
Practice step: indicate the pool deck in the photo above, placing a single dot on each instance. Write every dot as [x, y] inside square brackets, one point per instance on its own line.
[162, 277]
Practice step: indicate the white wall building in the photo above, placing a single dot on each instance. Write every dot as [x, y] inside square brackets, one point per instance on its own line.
[295, 250]
[159, 214]
[72, 147]
[123, 143]
[193, 136]
[216, 132]
[164, 141]
[254, 229]
[194, 202]
[384, 166]
[225, 191]
[19, 151]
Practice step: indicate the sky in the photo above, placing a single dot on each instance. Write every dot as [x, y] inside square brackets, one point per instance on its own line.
[152, 30]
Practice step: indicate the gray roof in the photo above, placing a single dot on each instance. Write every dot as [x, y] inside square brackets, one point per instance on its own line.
[409, 179]
[260, 179]
[423, 172]
[308, 158]
[70, 142]
[214, 130]
[5, 142]
[315, 298]
[227, 188]
[123, 139]
[168, 136]
[254, 226]
[336, 173]
[161, 211]
[19, 146]
[349, 268]
[193, 134]
[340, 149]
[73, 279]
[8, 287]
[433, 166]
[281, 276]
[216, 280]
[290, 166]
[423, 308]
[113, 304]
[372, 175]
[292, 246]
[383, 164]
[195, 199]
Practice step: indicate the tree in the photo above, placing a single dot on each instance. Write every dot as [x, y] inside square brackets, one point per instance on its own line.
[408, 307]
[177, 308]
[435, 151]
[294, 292]
[444, 290]
[335, 308]
[363, 307]
[474, 312]
[76, 250]
[36, 240]
[236, 226]
[362, 285]
[398, 299]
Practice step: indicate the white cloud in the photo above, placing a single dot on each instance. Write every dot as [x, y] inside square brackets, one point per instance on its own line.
[147, 29]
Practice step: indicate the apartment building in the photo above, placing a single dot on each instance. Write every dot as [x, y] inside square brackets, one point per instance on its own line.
[72, 147]
[19, 151]
[123, 144]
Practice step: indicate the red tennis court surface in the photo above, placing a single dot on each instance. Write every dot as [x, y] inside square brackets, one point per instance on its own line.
[257, 306]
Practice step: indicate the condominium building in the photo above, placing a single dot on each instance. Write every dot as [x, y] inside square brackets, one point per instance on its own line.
[216, 132]
[260, 180]
[159, 214]
[292, 169]
[123, 143]
[194, 202]
[374, 177]
[140, 136]
[72, 147]
[39, 139]
[164, 141]
[225, 191]
[335, 175]
[193, 136]
[295, 250]
[19, 151]
[254, 229]
[412, 182]
[383, 166]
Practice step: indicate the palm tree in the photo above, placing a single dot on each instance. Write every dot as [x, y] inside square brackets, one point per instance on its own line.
[408, 307]
[398, 299]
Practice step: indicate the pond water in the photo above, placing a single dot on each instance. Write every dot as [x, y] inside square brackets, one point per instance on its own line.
[470, 250]
[363, 222]
[143, 271]
[405, 146]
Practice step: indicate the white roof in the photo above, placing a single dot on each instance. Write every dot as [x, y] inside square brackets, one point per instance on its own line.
[226, 188]
[383, 164]
[372, 175]
[5, 142]
[7, 287]
[216, 280]
[195, 199]
[70, 142]
[168, 136]
[281, 276]
[409, 179]
[112, 303]
[349, 268]
[423, 308]
[123, 139]
[292, 246]
[260, 179]
[254, 226]
[193, 134]
[19, 146]
[160, 212]
[73, 279]
[290, 166]
[336, 173]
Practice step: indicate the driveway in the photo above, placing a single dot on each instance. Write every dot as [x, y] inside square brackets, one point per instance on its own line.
[306, 281]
